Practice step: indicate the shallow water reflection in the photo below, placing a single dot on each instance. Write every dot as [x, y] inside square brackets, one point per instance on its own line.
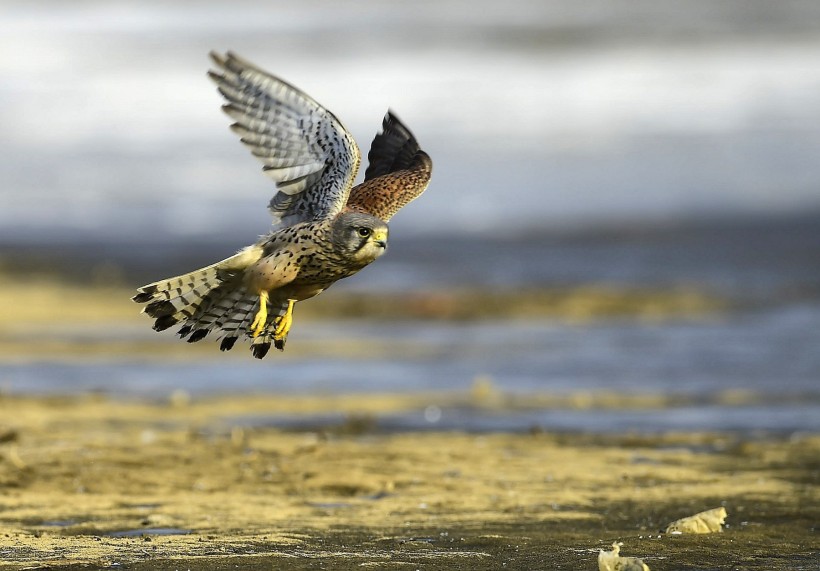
[732, 372]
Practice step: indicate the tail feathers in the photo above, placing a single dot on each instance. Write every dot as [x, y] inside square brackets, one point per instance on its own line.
[212, 299]
[176, 287]
[228, 309]
[237, 323]
[184, 298]
[220, 301]
[220, 306]
[261, 345]
[188, 289]
[177, 299]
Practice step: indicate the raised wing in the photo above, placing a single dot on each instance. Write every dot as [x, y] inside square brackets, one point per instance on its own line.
[304, 147]
[398, 172]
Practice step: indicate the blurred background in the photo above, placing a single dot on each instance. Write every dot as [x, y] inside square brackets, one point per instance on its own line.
[624, 216]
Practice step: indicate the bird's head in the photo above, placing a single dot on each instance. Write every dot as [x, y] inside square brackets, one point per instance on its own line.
[360, 237]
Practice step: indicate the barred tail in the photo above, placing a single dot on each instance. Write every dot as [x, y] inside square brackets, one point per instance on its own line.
[261, 344]
[230, 311]
[210, 299]
[176, 299]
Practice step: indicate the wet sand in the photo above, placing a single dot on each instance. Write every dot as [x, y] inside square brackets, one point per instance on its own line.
[91, 481]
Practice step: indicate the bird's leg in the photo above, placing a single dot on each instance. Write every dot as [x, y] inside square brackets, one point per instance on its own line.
[261, 318]
[283, 324]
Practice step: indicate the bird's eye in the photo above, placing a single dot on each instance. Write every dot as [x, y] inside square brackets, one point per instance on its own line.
[364, 232]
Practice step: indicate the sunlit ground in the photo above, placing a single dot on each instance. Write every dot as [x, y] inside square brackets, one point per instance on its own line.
[88, 480]
[416, 477]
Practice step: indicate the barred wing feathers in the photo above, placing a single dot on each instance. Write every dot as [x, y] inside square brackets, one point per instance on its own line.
[305, 149]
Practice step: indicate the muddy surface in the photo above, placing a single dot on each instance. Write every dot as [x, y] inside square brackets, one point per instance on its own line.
[92, 482]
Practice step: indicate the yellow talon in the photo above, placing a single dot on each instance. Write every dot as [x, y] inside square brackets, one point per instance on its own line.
[283, 323]
[261, 319]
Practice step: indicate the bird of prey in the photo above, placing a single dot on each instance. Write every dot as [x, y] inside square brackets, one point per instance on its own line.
[325, 229]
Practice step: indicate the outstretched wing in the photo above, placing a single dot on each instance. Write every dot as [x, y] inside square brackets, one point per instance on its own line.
[398, 172]
[304, 147]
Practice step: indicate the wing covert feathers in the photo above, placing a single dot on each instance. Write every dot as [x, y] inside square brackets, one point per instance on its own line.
[398, 172]
[304, 148]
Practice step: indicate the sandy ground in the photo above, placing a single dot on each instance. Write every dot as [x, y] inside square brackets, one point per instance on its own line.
[91, 481]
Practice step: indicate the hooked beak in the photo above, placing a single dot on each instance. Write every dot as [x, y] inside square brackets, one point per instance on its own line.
[380, 239]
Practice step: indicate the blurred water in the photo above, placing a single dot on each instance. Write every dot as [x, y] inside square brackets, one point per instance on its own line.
[536, 113]
[748, 420]
[766, 352]
[770, 357]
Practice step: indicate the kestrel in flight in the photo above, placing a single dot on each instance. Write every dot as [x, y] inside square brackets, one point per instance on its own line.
[325, 229]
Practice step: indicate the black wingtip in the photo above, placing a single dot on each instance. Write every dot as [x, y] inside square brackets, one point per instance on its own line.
[183, 333]
[394, 148]
[392, 122]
